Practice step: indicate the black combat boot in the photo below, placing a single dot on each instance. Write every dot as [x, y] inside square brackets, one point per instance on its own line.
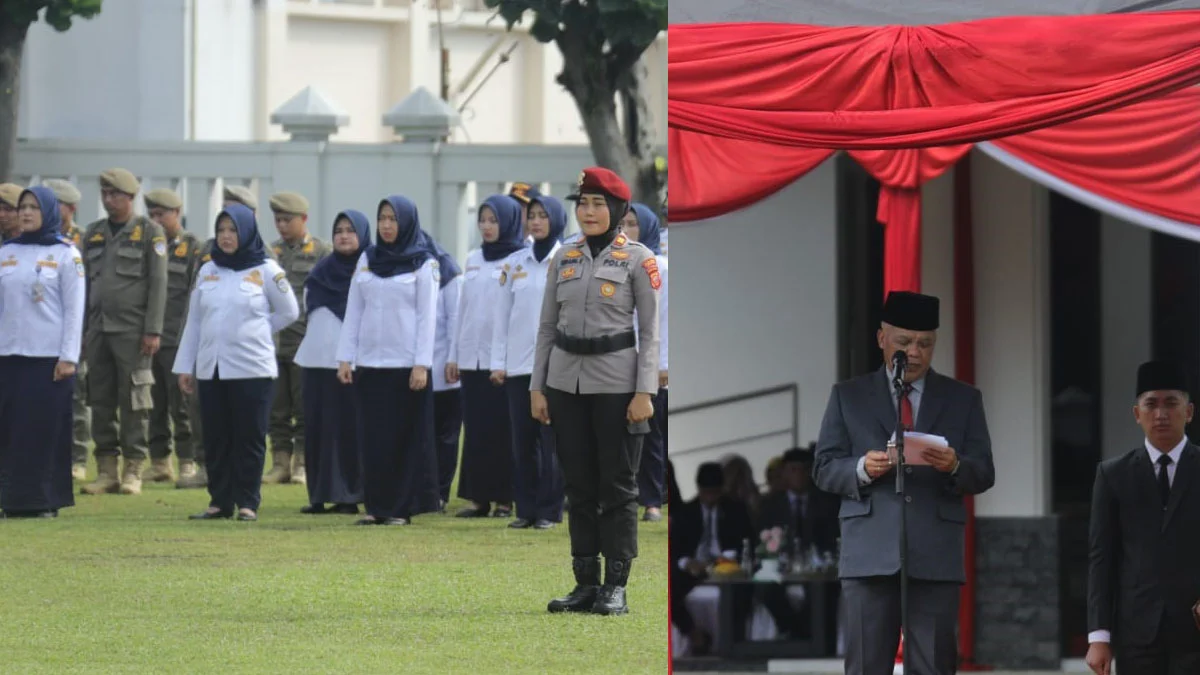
[587, 582]
[611, 598]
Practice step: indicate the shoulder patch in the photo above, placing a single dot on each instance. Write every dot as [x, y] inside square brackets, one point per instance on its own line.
[207, 258]
[651, 267]
[160, 246]
[78, 265]
[620, 241]
[281, 283]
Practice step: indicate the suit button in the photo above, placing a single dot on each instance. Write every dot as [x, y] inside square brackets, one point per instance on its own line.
[908, 499]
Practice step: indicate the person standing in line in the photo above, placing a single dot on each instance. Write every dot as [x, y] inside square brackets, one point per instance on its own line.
[594, 382]
[1143, 596]
[68, 205]
[447, 397]
[241, 300]
[10, 225]
[537, 483]
[641, 225]
[297, 252]
[125, 256]
[42, 291]
[486, 472]
[334, 457]
[231, 194]
[386, 350]
[170, 424]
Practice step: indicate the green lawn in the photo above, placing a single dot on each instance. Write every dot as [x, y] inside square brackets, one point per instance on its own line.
[123, 584]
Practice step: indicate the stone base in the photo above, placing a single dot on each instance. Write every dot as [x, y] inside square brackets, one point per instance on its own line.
[1018, 622]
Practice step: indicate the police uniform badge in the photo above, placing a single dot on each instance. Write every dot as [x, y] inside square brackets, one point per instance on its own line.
[79, 265]
[137, 233]
[573, 253]
[281, 283]
[160, 246]
[181, 249]
[582, 177]
[608, 290]
[568, 272]
[503, 276]
[620, 255]
[651, 267]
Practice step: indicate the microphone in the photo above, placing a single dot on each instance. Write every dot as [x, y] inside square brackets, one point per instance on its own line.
[899, 364]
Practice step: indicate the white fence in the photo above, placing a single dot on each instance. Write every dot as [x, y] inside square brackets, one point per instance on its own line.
[446, 181]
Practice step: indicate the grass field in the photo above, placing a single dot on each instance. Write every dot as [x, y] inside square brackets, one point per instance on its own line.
[125, 585]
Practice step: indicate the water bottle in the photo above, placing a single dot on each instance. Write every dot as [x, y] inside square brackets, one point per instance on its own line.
[747, 557]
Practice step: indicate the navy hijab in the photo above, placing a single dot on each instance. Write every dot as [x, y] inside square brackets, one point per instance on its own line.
[409, 251]
[250, 251]
[511, 240]
[649, 229]
[558, 223]
[328, 285]
[50, 232]
[446, 263]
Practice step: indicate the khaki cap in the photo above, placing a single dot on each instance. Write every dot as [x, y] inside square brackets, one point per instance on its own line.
[121, 179]
[10, 193]
[63, 190]
[163, 197]
[289, 202]
[241, 195]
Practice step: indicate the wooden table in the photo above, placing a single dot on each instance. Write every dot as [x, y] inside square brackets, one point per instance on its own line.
[819, 590]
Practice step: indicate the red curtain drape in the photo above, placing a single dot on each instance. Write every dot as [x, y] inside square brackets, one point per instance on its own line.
[745, 120]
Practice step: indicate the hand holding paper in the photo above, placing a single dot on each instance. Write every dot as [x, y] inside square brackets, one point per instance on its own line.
[927, 450]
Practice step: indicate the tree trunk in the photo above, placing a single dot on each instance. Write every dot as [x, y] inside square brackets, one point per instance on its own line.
[639, 134]
[584, 76]
[12, 45]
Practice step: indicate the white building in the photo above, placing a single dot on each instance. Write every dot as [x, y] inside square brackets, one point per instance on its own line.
[214, 70]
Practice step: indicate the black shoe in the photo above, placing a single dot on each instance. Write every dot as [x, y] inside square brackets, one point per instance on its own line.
[345, 509]
[211, 515]
[543, 524]
[472, 512]
[315, 509]
[395, 521]
[520, 524]
[610, 600]
[587, 583]
[46, 514]
[247, 517]
[502, 512]
[366, 521]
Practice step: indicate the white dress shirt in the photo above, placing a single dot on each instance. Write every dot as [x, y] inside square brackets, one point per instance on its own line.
[518, 311]
[50, 324]
[231, 319]
[476, 311]
[318, 349]
[447, 332]
[390, 322]
[1154, 453]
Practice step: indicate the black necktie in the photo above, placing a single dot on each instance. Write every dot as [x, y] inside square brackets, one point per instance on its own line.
[1164, 483]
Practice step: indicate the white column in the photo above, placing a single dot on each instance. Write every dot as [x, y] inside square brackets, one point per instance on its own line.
[1012, 298]
[424, 60]
[937, 262]
[270, 57]
[1125, 328]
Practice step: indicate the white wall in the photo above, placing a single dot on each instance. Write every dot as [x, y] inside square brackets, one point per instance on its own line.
[1125, 328]
[121, 74]
[1012, 340]
[937, 262]
[754, 305]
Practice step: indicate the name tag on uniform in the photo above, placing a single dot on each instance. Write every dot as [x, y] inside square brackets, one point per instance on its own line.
[211, 277]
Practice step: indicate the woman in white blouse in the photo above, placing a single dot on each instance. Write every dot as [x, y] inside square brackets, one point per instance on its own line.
[241, 299]
[41, 322]
[538, 480]
[486, 476]
[386, 350]
[332, 452]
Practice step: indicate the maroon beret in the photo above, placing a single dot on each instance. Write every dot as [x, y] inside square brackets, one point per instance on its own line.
[598, 180]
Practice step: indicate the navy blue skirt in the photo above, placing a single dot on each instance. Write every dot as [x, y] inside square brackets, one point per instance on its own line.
[35, 436]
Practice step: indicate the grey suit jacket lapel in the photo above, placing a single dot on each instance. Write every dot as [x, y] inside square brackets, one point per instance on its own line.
[881, 402]
[1184, 475]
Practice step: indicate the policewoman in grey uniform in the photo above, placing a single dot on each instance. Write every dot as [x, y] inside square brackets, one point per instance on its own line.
[593, 383]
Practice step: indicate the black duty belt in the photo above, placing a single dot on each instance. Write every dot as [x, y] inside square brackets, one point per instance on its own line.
[597, 345]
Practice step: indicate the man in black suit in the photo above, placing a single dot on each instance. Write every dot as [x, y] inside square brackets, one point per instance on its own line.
[709, 527]
[1144, 572]
[801, 509]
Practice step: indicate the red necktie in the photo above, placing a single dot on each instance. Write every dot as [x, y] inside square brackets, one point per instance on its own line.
[906, 411]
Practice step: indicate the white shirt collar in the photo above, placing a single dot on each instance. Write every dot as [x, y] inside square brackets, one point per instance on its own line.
[1174, 454]
[530, 256]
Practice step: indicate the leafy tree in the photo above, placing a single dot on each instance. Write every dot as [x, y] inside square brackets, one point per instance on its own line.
[15, 18]
[602, 42]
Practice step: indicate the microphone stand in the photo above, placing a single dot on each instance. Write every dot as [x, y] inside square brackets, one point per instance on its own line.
[898, 445]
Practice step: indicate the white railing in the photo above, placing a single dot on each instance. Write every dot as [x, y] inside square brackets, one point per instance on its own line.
[445, 181]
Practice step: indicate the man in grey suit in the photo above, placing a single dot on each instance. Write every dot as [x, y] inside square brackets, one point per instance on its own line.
[1144, 567]
[852, 462]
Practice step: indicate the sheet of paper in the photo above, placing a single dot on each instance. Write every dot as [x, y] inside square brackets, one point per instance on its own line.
[915, 443]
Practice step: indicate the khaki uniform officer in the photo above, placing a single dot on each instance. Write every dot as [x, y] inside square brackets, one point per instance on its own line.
[125, 257]
[170, 420]
[68, 203]
[297, 252]
[9, 225]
